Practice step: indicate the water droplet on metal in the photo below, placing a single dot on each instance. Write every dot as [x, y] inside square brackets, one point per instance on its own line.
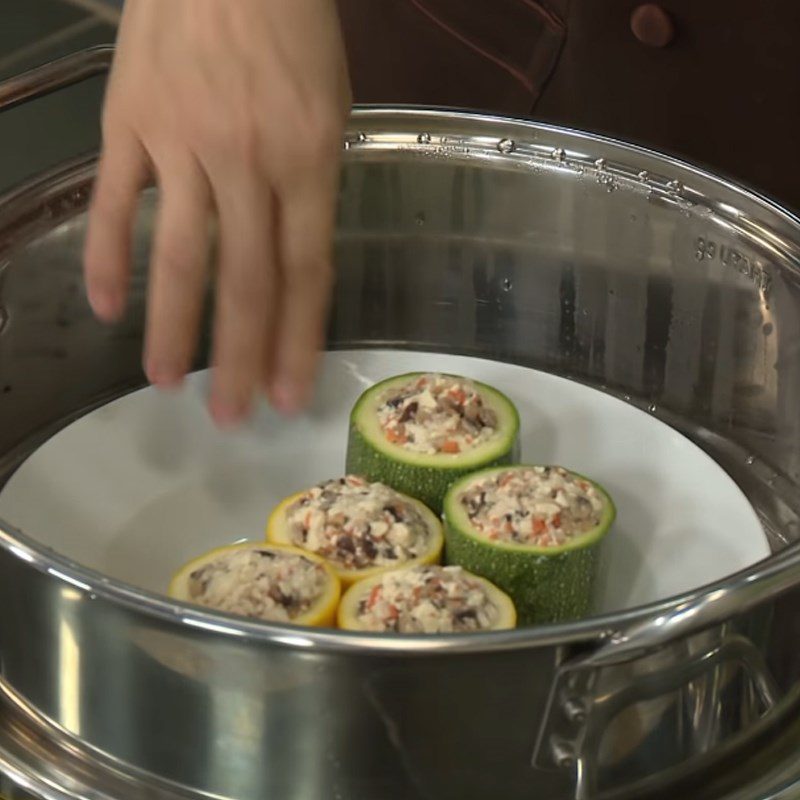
[600, 163]
[507, 285]
[79, 196]
[506, 146]
[607, 180]
[644, 175]
[750, 460]
[424, 138]
[361, 137]
[652, 408]
[558, 154]
[626, 398]
[347, 144]
[674, 186]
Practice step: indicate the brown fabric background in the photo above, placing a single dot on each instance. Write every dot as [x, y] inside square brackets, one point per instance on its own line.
[725, 93]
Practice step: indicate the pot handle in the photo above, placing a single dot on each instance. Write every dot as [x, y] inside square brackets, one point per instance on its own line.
[55, 75]
[699, 610]
[568, 711]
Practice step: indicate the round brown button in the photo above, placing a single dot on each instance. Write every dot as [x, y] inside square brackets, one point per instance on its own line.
[652, 26]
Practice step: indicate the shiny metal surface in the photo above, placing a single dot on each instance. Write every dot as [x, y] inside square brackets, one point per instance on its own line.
[56, 75]
[510, 240]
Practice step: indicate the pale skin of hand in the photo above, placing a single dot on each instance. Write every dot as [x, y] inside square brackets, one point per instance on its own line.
[237, 109]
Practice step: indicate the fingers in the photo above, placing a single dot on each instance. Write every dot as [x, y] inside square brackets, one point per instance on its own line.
[122, 172]
[245, 293]
[306, 229]
[177, 280]
[196, 94]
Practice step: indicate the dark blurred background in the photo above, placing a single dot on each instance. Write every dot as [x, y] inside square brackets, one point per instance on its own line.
[64, 124]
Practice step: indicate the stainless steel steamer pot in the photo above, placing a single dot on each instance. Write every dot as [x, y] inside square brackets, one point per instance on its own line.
[619, 267]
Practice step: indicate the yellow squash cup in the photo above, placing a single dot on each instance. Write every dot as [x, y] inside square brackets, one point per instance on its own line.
[278, 533]
[322, 613]
[347, 616]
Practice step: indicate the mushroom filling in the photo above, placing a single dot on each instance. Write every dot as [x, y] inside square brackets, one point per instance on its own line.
[357, 524]
[540, 506]
[437, 414]
[272, 586]
[428, 599]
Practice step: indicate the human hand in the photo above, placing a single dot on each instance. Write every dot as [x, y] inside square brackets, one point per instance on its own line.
[237, 109]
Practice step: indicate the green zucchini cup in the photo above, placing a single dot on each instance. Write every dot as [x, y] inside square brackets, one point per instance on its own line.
[423, 462]
[533, 531]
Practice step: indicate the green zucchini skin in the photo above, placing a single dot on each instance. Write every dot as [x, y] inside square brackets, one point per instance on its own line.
[429, 485]
[426, 483]
[557, 586]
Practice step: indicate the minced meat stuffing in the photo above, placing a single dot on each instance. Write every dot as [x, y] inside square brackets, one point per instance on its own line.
[260, 583]
[436, 414]
[429, 599]
[541, 506]
[357, 524]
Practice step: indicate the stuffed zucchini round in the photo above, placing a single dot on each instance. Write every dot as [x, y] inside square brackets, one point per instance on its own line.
[360, 528]
[535, 532]
[419, 432]
[426, 599]
[266, 582]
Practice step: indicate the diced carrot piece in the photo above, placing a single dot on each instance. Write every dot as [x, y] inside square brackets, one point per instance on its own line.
[538, 526]
[451, 447]
[373, 596]
[459, 395]
[396, 437]
[557, 521]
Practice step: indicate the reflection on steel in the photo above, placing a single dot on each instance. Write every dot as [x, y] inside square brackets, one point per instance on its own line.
[56, 75]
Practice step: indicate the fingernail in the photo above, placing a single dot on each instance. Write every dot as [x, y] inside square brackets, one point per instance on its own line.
[286, 397]
[226, 414]
[107, 304]
[164, 376]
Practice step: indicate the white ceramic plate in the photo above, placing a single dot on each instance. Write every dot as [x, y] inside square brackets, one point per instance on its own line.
[145, 483]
